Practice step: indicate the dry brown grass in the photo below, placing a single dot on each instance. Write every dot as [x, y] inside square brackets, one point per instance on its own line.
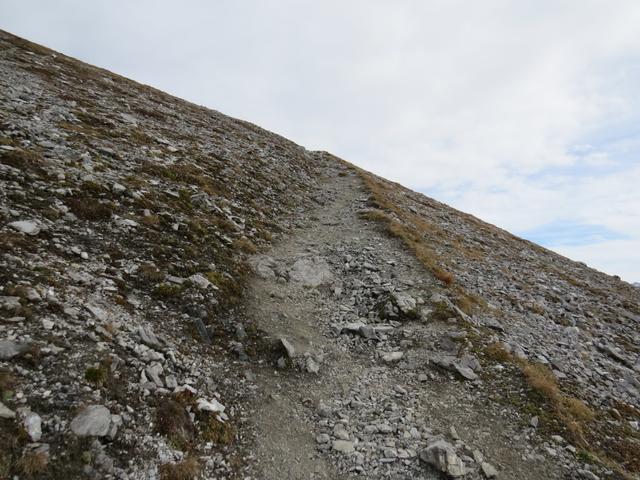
[570, 412]
[172, 421]
[150, 274]
[412, 239]
[213, 430]
[90, 209]
[245, 245]
[33, 463]
[188, 469]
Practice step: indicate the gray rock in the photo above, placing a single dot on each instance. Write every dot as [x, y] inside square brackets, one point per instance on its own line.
[264, 266]
[200, 281]
[323, 438]
[488, 470]
[392, 357]
[588, 475]
[28, 227]
[443, 456]
[311, 272]
[6, 412]
[343, 446]
[465, 372]
[405, 302]
[148, 337]
[10, 349]
[153, 372]
[94, 421]
[312, 366]
[288, 347]
[10, 304]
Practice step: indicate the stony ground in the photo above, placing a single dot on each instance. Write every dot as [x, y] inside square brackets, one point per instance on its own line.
[185, 295]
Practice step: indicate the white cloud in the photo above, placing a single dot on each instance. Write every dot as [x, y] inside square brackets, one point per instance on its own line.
[471, 98]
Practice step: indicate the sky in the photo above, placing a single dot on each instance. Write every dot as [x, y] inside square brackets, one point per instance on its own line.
[525, 113]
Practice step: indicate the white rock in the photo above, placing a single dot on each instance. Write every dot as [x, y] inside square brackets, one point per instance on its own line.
[210, 406]
[200, 281]
[28, 227]
[94, 421]
[33, 425]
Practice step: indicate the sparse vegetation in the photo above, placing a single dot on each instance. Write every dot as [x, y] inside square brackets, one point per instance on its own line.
[187, 469]
[96, 374]
[90, 209]
[245, 245]
[213, 430]
[33, 463]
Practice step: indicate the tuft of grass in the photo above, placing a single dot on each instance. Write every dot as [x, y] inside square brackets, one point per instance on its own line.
[167, 290]
[90, 209]
[150, 274]
[245, 245]
[33, 463]
[173, 421]
[498, 353]
[97, 375]
[7, 383]
[21, 159]
[213, 430]
[187, 469]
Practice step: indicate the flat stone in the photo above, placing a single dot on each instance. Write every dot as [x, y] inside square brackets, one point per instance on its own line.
[488, 470]
[10, 349]
[465, 372]
[28, 227]
[311, 272]
[6, 412]
[343, 446]
[93, 421]
[392, 357]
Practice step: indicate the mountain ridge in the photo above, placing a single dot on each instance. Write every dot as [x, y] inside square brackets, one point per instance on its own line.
[168, 270]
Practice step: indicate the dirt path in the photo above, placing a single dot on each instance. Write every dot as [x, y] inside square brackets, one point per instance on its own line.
[365, 414]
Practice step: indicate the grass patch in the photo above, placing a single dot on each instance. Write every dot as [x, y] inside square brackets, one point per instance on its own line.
[150, 274]
[33, 463]
[90, 209]
[188, 469]
[168, 290]
[96, 375]
[245, 245]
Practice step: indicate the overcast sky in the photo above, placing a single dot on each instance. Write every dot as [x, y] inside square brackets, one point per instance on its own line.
[523, 113]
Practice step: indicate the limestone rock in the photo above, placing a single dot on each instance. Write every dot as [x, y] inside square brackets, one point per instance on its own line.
[94, 421]
[443, 456]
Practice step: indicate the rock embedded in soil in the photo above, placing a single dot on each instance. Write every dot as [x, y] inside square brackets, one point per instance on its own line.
[442, 456]
[28, 227]
[93, 421]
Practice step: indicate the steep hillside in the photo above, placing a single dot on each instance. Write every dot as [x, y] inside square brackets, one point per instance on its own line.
[185, 295]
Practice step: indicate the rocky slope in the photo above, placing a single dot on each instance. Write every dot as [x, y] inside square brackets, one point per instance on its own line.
[186, 295]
